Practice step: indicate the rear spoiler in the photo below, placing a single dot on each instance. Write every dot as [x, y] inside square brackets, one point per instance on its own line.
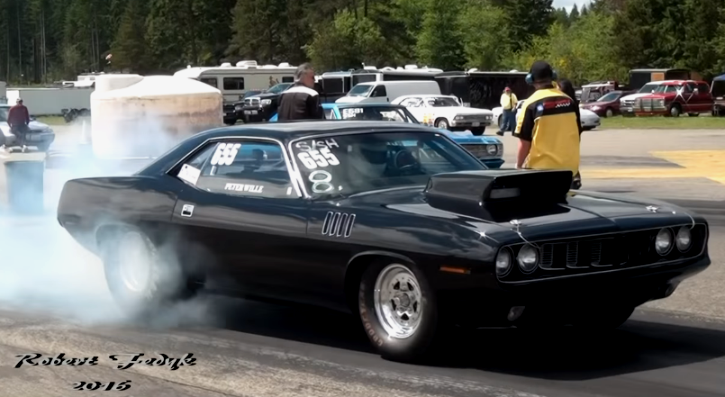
[471, 189]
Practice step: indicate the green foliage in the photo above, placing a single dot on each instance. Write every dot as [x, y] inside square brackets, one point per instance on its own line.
[48, 40]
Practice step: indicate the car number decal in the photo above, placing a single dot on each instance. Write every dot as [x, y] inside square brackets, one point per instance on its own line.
[351, 112]
[321, 181]
[322, 158]
[225, 153]
[189, 174]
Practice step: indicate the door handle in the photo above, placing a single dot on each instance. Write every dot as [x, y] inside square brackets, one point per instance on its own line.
[187, 210]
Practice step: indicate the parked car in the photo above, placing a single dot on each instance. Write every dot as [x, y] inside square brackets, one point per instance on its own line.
[676, 97]
[717, 90]
[626, 103]
[589, 119]
[261, 106]
[446, 112]
[39, 134]
[391, 221]
[607, 105]
[488, 149]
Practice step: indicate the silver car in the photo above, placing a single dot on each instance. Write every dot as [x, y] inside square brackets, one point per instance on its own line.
[39, 134]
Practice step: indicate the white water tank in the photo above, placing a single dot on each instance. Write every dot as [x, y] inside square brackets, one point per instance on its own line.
[140, 117]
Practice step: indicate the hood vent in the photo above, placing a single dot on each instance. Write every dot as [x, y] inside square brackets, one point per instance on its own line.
[467, 190]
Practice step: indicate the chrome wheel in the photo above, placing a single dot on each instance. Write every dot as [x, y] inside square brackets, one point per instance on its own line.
[135, 262]
[442, 124]
[398, 301]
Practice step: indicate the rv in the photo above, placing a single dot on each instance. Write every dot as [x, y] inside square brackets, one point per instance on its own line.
[235, 81]
[409, 72]
[483, 90]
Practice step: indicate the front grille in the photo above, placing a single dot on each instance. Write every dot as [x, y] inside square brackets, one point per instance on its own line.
[474, 117]
[251, 102]
[602, 253]
[481, 151]
[646, 104]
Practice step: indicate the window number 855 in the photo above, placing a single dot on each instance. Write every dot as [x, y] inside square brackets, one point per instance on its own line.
[318, 158]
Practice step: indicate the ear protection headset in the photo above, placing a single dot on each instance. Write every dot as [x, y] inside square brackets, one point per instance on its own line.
[530, 79]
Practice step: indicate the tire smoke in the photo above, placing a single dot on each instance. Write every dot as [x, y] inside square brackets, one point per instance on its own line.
[44, 270]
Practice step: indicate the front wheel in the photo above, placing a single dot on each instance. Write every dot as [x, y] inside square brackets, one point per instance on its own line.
[142, 277]
[442, 124]
[675, 111]
[398, 310]
[609, 112]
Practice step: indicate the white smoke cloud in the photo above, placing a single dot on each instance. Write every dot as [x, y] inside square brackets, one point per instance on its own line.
[44, 269]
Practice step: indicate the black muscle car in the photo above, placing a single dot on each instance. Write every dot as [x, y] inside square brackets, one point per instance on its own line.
[393, 221]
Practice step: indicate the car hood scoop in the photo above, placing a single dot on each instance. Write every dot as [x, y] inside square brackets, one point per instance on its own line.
[476, 189]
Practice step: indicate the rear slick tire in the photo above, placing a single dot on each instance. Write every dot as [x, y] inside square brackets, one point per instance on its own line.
[387, 289]
[142, 277]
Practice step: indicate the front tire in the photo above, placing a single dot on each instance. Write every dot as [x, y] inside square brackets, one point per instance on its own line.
[398, 310]
[442, 124]
[143, 278]
[675, 110]
[609, 112]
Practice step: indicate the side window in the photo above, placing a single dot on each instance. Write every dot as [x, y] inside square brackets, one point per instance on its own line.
[703, 88]
[689, 87]
[288, 79]
[240, 168]
[212, 81]
[329, 114]
[379, 91]
[233, 83]
[411, 102]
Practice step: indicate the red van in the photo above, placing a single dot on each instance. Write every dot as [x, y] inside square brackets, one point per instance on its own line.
[675, 97]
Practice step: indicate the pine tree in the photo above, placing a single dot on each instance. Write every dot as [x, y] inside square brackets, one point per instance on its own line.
[129, 47]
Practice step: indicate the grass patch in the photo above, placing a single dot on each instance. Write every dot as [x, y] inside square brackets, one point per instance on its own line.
[663, 123]
[52, 120]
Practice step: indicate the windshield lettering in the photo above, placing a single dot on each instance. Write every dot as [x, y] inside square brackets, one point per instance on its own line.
[358, 163]
[315, 144]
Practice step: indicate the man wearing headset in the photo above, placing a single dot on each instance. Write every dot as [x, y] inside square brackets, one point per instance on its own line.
[547, 125]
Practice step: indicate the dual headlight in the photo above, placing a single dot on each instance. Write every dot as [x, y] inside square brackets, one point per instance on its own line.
[529, 256]
[527, 260]
[491, 149]
[665, 241]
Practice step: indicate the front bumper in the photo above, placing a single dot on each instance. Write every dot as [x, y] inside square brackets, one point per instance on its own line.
[480, 300]
[465, 124]
[253, 114]
[652, 112]
[627, 111]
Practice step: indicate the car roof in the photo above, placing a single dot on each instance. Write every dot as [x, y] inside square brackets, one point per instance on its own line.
[359, 105]
[283, 132]
[290, 130]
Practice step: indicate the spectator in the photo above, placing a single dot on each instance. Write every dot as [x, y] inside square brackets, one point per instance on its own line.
[547, 125]
[18, 120]
[301, 101]
[508, 103]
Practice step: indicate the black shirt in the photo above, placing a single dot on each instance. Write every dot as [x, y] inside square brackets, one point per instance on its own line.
[299, 102]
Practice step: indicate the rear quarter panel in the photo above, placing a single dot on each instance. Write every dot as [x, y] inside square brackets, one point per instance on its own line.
[88, 204]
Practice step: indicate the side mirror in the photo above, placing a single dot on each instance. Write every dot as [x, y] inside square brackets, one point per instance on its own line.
[696, 91]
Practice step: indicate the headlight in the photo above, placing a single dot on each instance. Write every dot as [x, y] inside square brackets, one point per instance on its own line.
[660, 103]
[596, 107]
[683, 240]
[266, 102]
[491, 149]
[663, 242]
[458, 118]
[528, 258]
[503, 262]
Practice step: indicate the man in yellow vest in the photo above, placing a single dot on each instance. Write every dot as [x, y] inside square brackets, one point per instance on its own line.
[508, 103]
[547, 125]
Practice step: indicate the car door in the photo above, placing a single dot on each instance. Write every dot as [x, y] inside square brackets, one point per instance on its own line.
[704, 98]
[241, 202]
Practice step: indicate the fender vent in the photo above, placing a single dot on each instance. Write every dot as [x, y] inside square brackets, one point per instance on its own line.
[338, 224]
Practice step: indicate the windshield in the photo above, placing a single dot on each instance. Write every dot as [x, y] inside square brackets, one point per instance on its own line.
[381, 113]
[350, 164]
[650, 88]
[360, 90]
[441, 101]
[277, 88]
[612, 96]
